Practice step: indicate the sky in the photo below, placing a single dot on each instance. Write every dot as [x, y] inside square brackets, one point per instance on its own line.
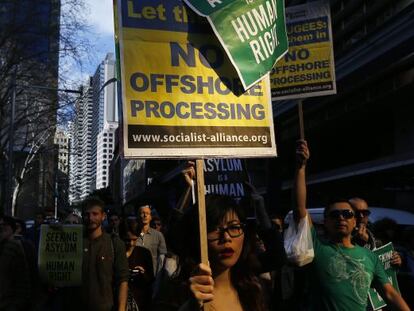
[99, 16]
[101, 20]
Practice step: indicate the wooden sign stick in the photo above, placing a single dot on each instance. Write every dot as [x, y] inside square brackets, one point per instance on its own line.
[201, 201]
[301, 124]
[202, 221]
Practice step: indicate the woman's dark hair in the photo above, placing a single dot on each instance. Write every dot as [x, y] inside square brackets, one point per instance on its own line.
[22, 225]
[128, 225]
[10, 221]
[386, 230]
[243, 273]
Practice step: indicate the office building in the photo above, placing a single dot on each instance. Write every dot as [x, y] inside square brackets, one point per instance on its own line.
[362, 139]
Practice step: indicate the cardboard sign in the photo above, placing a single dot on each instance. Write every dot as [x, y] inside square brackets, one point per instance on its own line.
[181, 95]
[385, 254]
[252, 32]
[225, 177]
[307, 69]
[60, 255]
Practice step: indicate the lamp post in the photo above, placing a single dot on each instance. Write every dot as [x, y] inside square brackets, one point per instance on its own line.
[112, 80]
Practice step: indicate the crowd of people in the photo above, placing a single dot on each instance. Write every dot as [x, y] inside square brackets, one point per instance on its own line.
[144, 262]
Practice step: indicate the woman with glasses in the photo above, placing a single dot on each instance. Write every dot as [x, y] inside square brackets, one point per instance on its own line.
[230, 283]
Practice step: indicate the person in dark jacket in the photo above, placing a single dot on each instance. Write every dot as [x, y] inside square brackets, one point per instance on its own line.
[140, 265]
[14, 273]
[105, 267]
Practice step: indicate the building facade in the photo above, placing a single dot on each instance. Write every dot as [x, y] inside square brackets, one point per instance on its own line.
[93, 133]
[29, 54]
[104, 126]
[362, 138]
[62, 143]
[81, 148]
[74, 190]
[105, 153]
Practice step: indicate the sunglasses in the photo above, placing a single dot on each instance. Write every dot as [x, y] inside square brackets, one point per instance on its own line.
[337, 213]
[363, 213]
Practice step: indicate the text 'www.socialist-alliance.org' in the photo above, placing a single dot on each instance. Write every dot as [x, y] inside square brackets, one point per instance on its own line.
[194, 137]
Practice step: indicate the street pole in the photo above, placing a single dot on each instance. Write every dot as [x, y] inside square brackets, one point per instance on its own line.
[112, 80]
[56, 197]
[10, 174]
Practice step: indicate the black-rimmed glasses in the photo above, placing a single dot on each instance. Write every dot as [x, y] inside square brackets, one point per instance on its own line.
[233, 230]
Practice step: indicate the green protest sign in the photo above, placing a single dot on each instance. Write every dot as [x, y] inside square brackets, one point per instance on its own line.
[252, 32]
[384, 254]
[60, 255]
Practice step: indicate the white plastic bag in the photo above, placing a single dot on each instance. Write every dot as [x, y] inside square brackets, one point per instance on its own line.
[298, 242]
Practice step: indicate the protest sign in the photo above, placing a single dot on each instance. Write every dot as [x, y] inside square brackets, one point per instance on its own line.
[225, 177]
[307, 69]
[60, 255]
[181, 96]
[384, 254]
[252, 32]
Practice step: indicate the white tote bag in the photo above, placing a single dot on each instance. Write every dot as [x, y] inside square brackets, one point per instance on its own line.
[298, 242]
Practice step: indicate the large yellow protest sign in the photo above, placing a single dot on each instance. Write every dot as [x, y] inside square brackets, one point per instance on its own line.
[181, 97]
[308, 67]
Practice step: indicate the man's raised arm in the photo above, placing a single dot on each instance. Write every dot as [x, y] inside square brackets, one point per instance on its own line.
[299, 182]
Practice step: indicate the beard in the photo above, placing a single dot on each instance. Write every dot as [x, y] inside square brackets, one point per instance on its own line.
[93, 224]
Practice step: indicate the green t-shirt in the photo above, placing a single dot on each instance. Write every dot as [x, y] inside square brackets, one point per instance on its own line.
[343, 276]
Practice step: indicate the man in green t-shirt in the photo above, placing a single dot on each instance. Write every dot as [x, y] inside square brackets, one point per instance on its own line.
[341, 272]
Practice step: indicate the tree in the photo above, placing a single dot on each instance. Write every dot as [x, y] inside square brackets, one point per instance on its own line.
[27, 167]
[34, 37]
